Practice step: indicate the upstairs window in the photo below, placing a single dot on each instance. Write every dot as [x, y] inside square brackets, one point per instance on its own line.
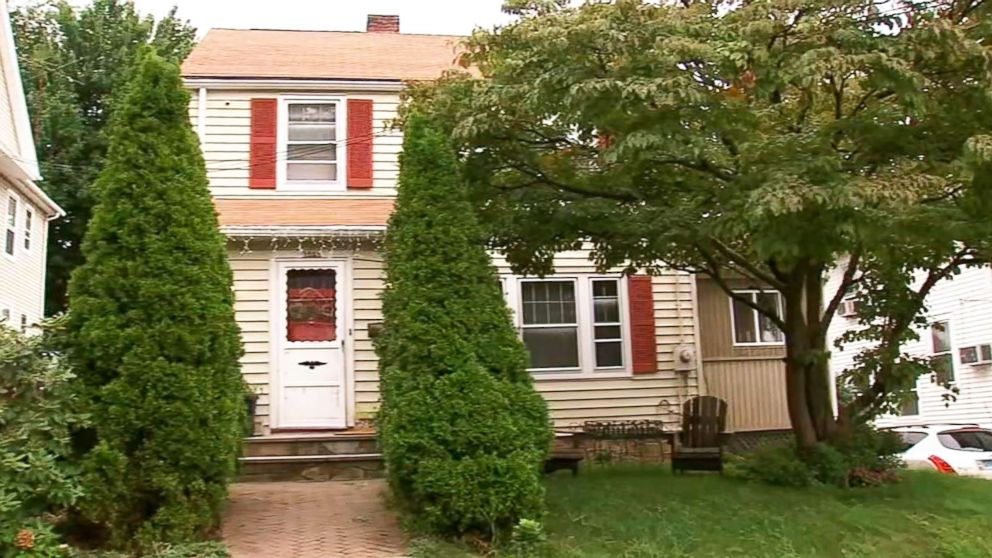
[942, 359]
[10, 238]
[751, 327]
[28, 224]
[311, 142]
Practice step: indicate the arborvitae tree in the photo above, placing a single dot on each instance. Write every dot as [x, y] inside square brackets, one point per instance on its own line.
[463, 431]
[154, 340]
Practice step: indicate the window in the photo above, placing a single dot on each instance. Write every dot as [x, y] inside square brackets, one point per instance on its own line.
[28, 223]
[910, 405]
[24, 323]
[4, 315]
[311, 143]
[550, 323]
[972, 439]
[311, 305]
[752, 327]
[942, 360]
[607, 326]
[10, 238]
[574, 325]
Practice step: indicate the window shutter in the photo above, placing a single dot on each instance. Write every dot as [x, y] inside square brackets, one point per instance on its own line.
[359, 143]
[262, 152]
[643, 344]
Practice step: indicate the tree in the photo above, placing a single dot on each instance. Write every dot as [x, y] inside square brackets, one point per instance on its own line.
[464, 433]
[153, 337]
[72, 61]
[767, 141]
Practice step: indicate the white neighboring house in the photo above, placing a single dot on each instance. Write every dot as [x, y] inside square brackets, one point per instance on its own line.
[25, 209]
[960, 335]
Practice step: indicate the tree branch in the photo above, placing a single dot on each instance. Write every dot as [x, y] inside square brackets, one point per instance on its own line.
[853, 261]
[739, 260]
[713, 271]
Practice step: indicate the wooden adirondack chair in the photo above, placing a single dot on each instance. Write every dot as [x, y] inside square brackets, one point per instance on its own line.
[699, 446]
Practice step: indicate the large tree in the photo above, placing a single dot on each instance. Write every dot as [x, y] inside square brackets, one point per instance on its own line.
[72, 62]
[153, 338]
[768, 141]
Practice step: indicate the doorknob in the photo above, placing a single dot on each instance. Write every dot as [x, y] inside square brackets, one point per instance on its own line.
[311, 364]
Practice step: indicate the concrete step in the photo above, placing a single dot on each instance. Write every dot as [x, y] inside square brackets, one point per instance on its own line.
[332, 444]
[325, 467]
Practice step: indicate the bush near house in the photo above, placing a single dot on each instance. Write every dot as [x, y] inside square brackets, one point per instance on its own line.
[464, 432]
[36, 412]
[153, 337]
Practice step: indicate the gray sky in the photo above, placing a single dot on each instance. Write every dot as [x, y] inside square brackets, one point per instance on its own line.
[449, 17]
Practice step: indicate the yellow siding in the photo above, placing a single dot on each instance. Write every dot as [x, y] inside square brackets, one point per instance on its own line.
[572, 401]
[227, 131]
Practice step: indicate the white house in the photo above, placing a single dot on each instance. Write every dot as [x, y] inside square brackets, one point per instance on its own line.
[958, 337]
[25, 209]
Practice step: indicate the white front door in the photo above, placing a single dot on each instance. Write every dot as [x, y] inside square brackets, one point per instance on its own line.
[309, 336]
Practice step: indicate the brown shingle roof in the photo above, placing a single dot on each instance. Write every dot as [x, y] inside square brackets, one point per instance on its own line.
[264, 212]
[257, 53]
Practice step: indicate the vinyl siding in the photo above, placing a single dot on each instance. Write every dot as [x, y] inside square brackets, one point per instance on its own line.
[750, 379]
[22, 277]
[226, 134]
[966, 303]
[572, 400]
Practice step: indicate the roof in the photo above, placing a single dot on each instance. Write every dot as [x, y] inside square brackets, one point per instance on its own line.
[266, 53]
[269, 212]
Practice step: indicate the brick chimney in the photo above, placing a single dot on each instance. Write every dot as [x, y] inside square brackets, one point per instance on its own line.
[383, 24]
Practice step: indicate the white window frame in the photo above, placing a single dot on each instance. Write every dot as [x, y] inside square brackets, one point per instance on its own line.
[27, 234]
[282, 145]
[7, 226]
[584, 316]
[951, 348]
[757, 322]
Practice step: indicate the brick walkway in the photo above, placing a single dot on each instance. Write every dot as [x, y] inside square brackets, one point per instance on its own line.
[311, 520]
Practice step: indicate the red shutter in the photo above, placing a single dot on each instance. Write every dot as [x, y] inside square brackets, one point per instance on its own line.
[642, 336]
[262, 152]
[359, 143]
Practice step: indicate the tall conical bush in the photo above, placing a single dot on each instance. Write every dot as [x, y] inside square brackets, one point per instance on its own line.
[153, 337]
[464, 433]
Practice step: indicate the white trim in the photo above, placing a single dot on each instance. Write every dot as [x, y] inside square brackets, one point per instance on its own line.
[277, 285]
[201, 114]
[328, 85]
[294, 231]
[757, 323]
[340, 143]
[586, 368]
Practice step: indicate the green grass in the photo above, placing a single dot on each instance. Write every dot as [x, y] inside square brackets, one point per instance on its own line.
[646, 513]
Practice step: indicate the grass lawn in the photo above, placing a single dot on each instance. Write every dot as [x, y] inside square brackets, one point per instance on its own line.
[646, 512]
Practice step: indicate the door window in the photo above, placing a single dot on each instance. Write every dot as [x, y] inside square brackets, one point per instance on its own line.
[311, 305]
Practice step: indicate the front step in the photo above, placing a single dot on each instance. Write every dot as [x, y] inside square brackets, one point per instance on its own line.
[311, 467]
[332, 444]
[311, 458]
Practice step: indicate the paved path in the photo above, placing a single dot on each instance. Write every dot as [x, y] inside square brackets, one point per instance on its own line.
[311, 520]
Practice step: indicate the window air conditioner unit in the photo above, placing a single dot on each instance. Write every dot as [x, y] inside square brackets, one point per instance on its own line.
[849, 308]
[976, 355]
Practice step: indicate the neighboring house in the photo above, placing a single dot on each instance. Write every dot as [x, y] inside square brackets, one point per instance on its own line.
[25, 210]
[303, 168]
[742, 354]
[959, 340]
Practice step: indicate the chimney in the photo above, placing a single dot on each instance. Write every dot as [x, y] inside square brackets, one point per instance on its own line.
[383, 24]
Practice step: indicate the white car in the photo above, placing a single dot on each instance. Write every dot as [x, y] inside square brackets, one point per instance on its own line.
[963, 449]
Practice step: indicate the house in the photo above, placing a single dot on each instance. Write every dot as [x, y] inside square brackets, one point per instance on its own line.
[303, 170]
[25, 208]
[958, 339]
